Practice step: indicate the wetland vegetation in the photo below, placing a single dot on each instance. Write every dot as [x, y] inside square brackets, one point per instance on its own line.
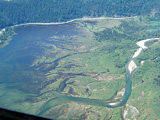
[6, 36]
[73, 70]
[80, 59]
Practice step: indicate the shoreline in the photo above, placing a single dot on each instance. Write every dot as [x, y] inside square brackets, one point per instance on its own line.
[132, 66]
[142, 46]
[69, 21]
[77, 19]
[142, 42]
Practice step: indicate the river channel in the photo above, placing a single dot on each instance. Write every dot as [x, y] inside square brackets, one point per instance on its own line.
[20, 81]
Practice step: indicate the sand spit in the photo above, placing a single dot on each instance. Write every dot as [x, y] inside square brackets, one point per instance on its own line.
[132, 66]
[114, 104]
[137, 52]
[142, 42]
[142, 46]
[141, 62]
[77, 19]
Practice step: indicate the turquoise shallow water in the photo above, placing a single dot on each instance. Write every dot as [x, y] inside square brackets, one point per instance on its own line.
[20, 83]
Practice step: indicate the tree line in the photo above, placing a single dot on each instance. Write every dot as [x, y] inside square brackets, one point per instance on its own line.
[24, 11]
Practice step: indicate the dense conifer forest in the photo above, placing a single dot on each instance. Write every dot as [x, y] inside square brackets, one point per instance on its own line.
[24, 11]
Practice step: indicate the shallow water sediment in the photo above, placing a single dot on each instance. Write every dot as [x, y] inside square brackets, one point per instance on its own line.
[20, 54]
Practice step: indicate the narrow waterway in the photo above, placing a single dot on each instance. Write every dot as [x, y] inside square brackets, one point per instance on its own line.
[60, 98]
[20, 53]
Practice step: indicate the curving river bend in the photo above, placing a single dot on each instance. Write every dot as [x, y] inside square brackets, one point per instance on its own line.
[130, 67]
[59, 98]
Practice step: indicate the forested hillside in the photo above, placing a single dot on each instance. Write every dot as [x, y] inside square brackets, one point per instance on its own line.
[24, 11]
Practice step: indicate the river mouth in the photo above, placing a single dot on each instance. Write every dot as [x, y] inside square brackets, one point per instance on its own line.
[19, 71]
[50, 65]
